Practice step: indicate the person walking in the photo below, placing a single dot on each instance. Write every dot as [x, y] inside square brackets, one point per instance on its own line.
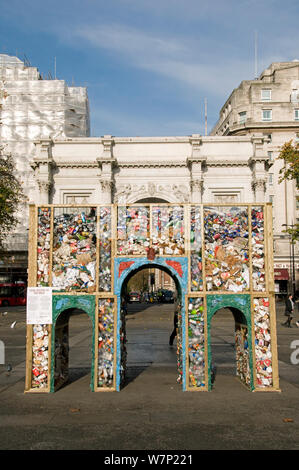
[289, 311]
[175, 321]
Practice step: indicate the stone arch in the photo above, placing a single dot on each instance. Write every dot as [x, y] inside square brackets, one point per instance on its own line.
[126, 267]
[63, 307]
[145, 195]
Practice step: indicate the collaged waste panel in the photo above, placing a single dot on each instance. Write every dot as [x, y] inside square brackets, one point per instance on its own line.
[106, 343]
[122, 339]
[105, 249]
[258, 249]
[263, 352]
[179, 337]
[74, 250]
[40, 358]
[168, 237]
[226, 248]
[242, 354]
[43, 246]
[196, 342]
[133, 230]
[196, 249]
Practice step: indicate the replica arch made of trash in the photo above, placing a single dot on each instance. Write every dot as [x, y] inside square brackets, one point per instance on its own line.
[219, 255]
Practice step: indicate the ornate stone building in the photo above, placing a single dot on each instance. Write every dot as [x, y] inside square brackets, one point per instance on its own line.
[139, 169]
[60, 164]
[270, 105]
[32, 107]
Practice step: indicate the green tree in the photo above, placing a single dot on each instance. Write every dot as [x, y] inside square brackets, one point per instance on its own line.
[289, 153]
[11, 196]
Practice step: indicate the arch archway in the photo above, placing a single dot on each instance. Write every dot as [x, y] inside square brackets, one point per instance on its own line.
[239, 305]
[126, 268]
[151, 200]
[63, 308]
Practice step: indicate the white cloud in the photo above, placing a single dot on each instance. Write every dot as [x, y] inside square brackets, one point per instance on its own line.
[178, 59]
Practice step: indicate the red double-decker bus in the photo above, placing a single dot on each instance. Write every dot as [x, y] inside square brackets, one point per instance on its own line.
[12, 294]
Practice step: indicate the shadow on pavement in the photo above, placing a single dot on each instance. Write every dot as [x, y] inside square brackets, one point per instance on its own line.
[132, 372]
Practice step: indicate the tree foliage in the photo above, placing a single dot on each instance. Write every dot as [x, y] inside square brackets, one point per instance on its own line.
[290, 171]
[11, 196]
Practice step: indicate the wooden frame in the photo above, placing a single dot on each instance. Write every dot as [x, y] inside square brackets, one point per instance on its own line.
[267, 293]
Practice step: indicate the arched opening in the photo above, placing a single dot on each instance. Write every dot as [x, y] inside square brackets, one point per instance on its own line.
[151, 325]
[230, 353]
[151, 200]
[73, 348]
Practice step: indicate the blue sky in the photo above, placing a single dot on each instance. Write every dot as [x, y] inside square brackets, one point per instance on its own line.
[149, 65]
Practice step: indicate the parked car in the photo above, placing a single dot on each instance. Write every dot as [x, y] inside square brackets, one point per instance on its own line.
[134, 297]
[168, 297]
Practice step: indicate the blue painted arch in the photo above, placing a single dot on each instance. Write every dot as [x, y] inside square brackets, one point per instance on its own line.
[180, 276]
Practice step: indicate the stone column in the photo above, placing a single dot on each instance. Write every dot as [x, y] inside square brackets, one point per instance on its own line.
[196, 186]
[42, 165]
[259, 187]
[196, 164]
[44, 191]
[260, 165]
[106, 187]
[106, 163]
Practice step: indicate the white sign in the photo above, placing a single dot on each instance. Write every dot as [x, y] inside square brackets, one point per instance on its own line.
[39, 305]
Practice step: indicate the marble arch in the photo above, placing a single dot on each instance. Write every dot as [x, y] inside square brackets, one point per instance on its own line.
[221, 256]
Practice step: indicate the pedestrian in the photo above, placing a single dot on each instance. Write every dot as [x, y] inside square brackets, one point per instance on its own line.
[289, 311]
[175, 326]
[175, 322]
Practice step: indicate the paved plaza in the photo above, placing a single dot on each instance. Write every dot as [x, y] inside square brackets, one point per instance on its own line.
[151, 412]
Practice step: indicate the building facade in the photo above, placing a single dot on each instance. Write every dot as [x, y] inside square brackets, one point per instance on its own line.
[32, 108]
[45, 125]
[270, 105]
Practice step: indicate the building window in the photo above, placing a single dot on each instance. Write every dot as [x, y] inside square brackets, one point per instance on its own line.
[296, 114]
[271, 199]
[242, 117]
[266, 95]
[297, 203]
[266, 114]
[270, 178]
[270, 155]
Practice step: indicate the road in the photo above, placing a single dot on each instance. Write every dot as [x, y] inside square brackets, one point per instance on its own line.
[151, 411]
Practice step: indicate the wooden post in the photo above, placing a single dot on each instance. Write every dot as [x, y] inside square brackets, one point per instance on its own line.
[271, 289]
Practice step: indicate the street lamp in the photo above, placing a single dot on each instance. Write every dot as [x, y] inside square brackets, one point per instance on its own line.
[292, 258]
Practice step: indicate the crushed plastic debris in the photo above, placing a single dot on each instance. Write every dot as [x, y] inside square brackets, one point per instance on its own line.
[179, 351]
[133, 230]
[168, 230]
[226, 249]
[196, 249]
[105, 250]
[263, 353]
[105, 343]
[257, 244]
[43, 246]
[40, 346]
[74, 251]
[196, 342]
[123, 340]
